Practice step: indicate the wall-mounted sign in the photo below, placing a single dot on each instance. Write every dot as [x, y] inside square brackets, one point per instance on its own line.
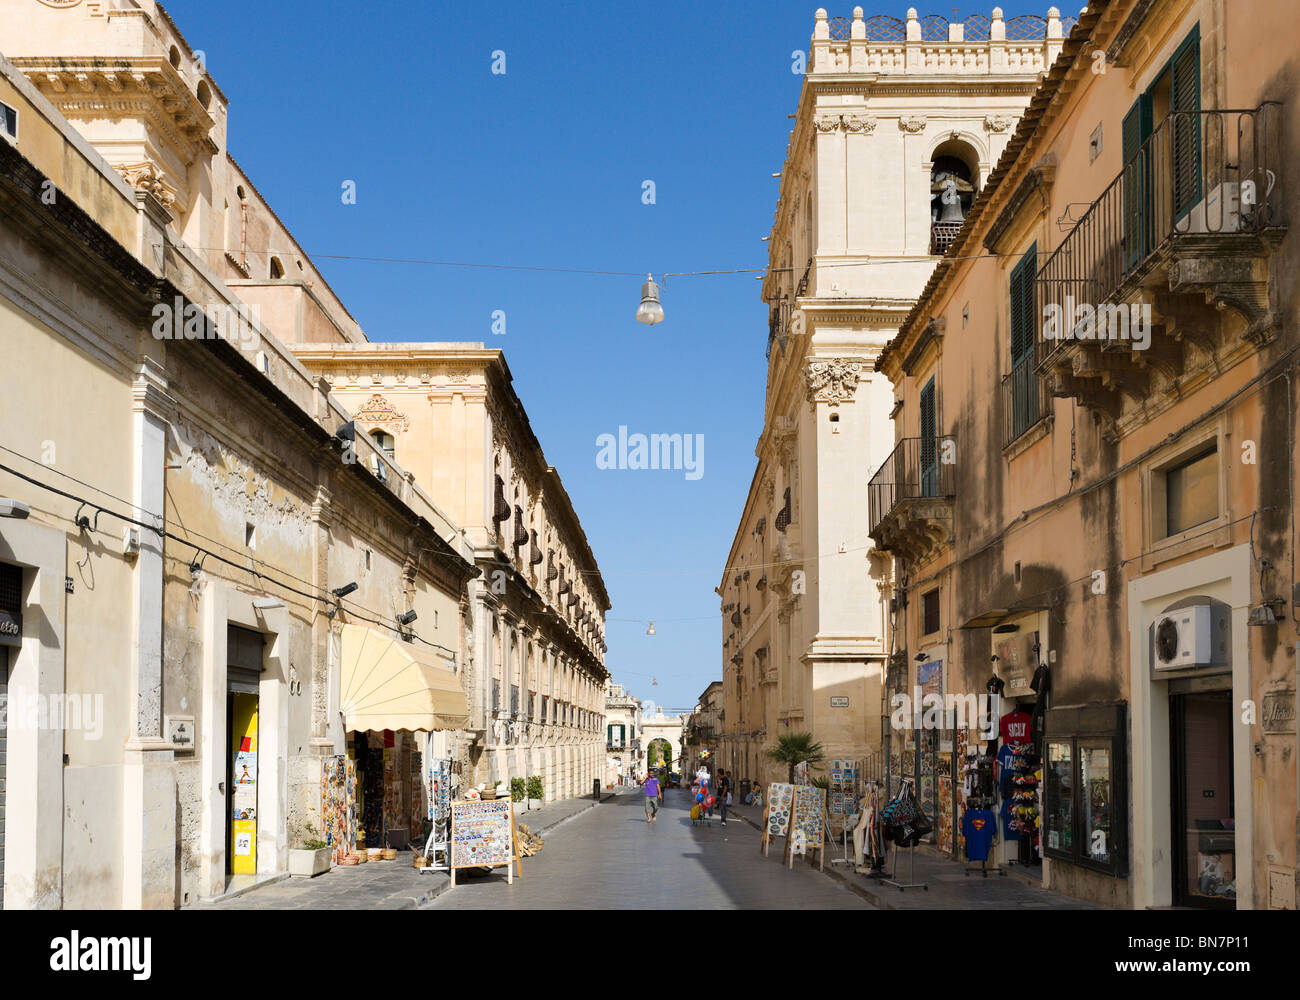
[1279, 712]
[839, 701]
[1017, 684]
[11, 628]
[181, 732]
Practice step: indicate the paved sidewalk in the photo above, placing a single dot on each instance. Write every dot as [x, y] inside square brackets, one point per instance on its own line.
[384, 885]
[948, 887]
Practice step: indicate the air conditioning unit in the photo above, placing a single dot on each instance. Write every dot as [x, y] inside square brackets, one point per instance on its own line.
[1218, 212]
[1182, 638]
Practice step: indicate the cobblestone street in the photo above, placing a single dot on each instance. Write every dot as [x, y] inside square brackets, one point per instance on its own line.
[611, 858]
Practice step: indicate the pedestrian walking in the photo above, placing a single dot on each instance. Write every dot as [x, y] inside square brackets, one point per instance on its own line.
[724, 790]
[652, 796]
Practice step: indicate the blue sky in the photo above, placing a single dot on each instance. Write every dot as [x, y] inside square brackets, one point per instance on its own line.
[544, 165]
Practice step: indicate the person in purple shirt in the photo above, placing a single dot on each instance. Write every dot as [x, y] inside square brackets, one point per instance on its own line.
[651, 798]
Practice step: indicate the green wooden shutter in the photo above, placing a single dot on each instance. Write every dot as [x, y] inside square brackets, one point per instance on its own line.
[929, 449]
[1023, 312]
[1185, 91]
[1024, 323]
[1137, 186]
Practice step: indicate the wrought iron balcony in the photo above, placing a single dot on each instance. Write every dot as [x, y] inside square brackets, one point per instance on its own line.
[1185, 230]
[910, 497]
[1025, 400]
[941, 236]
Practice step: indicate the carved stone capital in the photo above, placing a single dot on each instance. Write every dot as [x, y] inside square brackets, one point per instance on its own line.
[912, 124]
[997, 123]
[832, 380]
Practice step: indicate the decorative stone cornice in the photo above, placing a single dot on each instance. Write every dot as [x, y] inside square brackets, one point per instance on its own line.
[832, 380]
[912, 124]
[861, 124]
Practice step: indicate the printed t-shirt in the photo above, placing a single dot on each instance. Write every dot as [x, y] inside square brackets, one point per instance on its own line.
[978, 826]
[1015, 727]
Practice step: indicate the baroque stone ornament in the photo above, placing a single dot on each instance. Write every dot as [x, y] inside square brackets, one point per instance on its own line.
[865, 126]
[997, 123]
[829, 123]
[832, 380]
[912, 124]
[144, 176]
[378, 410]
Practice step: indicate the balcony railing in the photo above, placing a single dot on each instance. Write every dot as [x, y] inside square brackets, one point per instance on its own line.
[1025, 400]
[941, 236]
[918, 467]
[1206, 174]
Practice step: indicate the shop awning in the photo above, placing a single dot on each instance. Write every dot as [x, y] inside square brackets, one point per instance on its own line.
[385, 683]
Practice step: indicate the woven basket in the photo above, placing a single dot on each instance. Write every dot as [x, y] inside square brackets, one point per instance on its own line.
[421, 861]
[389, 854]
[361, 857]
[349, 859]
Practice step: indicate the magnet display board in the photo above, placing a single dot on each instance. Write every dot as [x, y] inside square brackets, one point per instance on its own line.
[483, 836]
[806, 821]
[776, 812]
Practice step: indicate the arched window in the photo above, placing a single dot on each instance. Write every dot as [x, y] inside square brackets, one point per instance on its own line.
[277, 269]
[384, 442]
[174, 57]
[952, 189]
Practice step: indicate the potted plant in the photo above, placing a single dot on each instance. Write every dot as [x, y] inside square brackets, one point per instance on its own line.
[517, 791]
[536, 793]
[312, 855]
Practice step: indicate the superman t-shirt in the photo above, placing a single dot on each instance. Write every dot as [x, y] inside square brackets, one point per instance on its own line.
[977, 827]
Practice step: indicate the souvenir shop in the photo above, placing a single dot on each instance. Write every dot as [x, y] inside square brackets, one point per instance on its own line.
[962, 781]
[387, 790]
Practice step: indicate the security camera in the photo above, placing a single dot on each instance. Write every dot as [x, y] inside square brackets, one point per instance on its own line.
[344, 590]
[407, 618]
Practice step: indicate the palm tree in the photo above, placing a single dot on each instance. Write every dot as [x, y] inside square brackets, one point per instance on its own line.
[796, 748]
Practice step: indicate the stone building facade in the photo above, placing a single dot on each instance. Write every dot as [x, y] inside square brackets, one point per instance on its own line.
[1114, 521]
[194, 493]
[449, 413]
[196, 496]
[890, 112]
[624, 757]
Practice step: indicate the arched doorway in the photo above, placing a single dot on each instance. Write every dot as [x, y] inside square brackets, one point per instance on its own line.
[659, 754]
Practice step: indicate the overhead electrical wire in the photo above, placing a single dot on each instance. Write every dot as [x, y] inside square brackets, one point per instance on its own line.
[329, 600]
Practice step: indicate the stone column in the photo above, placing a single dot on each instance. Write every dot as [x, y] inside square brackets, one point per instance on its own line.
[148, 778]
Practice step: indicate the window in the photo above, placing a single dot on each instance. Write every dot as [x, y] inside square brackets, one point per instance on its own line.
[384, 442]
[930, 612]
[277, 269]
[250, 536]
[1022, 381]
[1170, 167]
[1085, 818]
[929, 446]
[9, 122]
[1192, 492]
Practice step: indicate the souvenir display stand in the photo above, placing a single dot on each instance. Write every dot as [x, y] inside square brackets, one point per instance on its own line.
[979, 816]
[807, 824]
[439, 779]
[483, 835]
[843, 801]
[868, 834]
[906, 821]
[776, 813]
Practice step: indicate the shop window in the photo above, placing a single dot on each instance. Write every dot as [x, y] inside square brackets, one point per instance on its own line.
[930, 612]
[1085, 815]
[1192, 492]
